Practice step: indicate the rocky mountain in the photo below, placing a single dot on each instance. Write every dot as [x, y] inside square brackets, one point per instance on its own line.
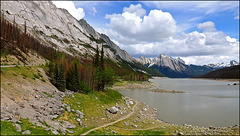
[223, 64]
[173, 67]
[60, 29]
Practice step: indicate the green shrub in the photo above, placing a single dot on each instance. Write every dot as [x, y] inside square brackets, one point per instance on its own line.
[85, 88]
[40, 75]
[36, 76]
[43, 80]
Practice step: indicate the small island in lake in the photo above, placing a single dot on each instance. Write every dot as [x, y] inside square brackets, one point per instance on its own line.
[165, 91]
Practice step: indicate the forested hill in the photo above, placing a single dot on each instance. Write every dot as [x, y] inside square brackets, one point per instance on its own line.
[224, 73]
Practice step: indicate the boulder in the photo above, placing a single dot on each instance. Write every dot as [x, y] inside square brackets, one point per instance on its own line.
[18, 127]
[80, 123]
[81, 115]
[27, 132]
[61, 111]
[180, 133]
[113, 110]
[55, 132]
[68, 125]
[135, 126]
[68, 109]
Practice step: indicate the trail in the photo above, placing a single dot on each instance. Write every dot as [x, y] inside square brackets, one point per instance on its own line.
[111, 123]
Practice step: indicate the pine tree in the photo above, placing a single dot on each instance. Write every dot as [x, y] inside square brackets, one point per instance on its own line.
[61, 82]
[77, 79]
[101, 63]
[55, 76]
[96, 58]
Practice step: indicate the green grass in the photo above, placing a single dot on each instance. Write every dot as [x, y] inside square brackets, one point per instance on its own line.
[29, 73]
[51, 96]
[8, 128]
[91, 105]
[148, 132]
[103, 131]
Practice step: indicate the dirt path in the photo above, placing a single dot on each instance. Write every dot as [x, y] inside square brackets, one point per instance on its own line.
[111, 123]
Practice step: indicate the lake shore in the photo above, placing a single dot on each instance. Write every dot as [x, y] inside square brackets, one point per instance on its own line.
[169, 128]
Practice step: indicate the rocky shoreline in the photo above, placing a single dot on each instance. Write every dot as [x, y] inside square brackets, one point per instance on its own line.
[187, 129]
[173, 129]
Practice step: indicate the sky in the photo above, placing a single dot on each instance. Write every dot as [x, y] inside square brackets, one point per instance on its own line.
[199, 32]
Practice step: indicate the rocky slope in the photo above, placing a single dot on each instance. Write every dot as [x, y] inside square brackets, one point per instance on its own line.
[60, 29]
[173, 67]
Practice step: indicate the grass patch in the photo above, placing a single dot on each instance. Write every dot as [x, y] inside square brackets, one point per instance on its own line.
[93, 106]
[46, 124]
[48, 94]
[29, 73]
[8, 128]
[34, 129]
[148, 132]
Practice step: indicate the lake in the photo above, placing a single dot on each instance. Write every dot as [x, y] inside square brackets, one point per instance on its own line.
[205, 103]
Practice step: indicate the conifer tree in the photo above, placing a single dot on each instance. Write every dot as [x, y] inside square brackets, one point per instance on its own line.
[96, 58]
[61, 82]
[73, 78]
[55, 76]
[101, 63]
[77, 79]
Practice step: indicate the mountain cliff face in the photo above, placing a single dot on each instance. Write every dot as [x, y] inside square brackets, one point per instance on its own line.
[173, 67]
[59, 29]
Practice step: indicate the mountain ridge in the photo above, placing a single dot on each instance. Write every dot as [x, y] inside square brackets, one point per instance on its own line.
[175, 68]
[58, 26]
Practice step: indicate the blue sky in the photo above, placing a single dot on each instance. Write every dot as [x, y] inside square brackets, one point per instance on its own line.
[197, 30]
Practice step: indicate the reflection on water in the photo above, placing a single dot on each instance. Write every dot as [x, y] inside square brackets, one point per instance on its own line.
[207, 102]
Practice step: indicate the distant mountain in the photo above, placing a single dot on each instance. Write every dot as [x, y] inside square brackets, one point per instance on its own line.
[175, 68]
[231, 72]
[223, 64]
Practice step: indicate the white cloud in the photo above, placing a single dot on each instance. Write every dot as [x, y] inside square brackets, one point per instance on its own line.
[207, 26]
[203, 7]
[131, 27]
[77, 13]
[93, 11]
[136, 9]
[155, 34]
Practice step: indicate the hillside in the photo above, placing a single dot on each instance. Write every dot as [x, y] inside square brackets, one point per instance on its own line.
[224, 73]
[56, 28]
